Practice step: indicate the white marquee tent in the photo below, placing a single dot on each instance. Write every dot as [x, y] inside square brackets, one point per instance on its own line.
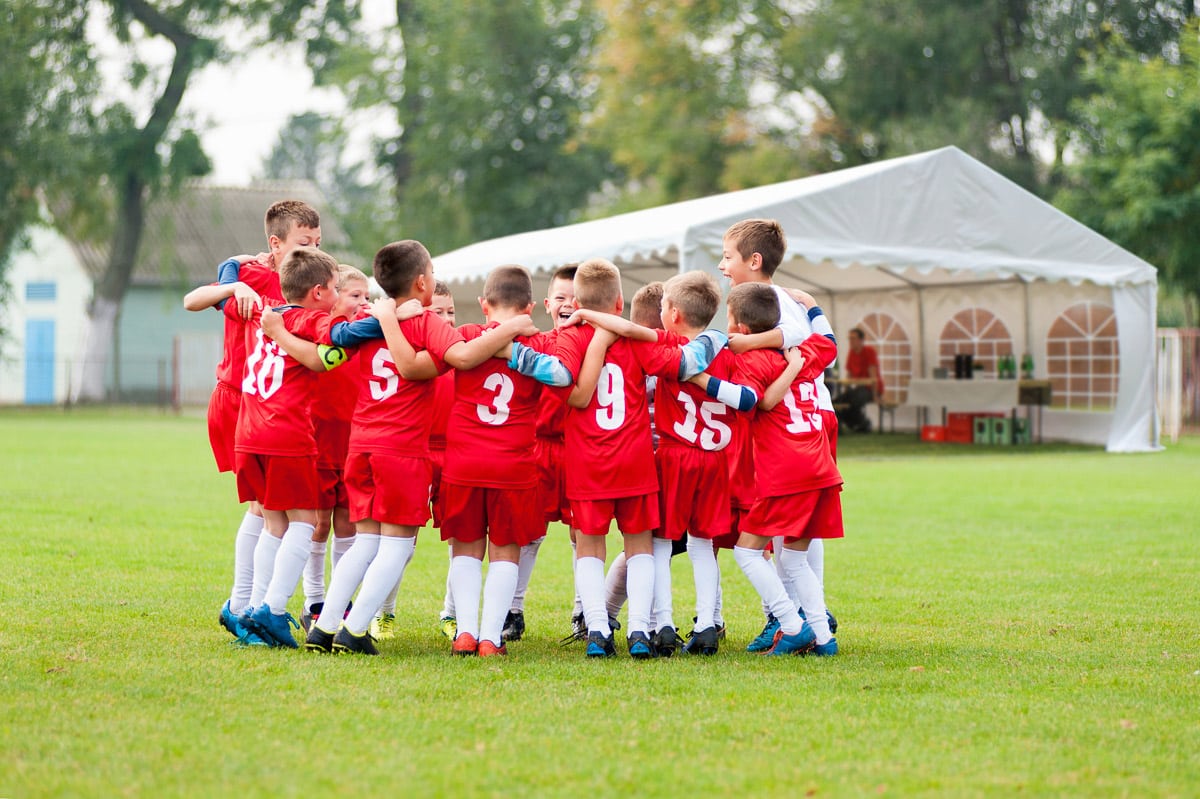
[929, 243]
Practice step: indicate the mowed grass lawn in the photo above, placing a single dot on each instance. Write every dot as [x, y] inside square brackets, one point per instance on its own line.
[1014, 621]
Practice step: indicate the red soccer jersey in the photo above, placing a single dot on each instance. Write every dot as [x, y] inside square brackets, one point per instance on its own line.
[791, 452]
[395, 415]
[609, 453]
[277, 390]
[489, 442]
[332, 407]
[233, 357]
[443, 403]
[552, 406]
[684, 414]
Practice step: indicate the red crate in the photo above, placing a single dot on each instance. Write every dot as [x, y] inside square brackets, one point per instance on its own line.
[960, 426]
[955, 435]
[933, 432]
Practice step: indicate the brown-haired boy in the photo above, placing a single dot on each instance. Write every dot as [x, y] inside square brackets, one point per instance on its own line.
[797, 480]
[387, 469]
[275, 445]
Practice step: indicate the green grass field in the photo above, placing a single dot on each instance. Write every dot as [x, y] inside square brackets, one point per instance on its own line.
[1014, 621]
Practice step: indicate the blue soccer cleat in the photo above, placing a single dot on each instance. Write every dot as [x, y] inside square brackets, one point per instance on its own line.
[274, 628]
[795, 644]
[766, 639]
[640, 647]
[827, 649]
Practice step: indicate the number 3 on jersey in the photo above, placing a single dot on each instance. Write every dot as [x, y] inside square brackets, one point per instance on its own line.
[496, 412]
[610, 396]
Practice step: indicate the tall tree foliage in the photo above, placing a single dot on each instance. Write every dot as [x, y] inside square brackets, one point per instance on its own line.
[1137, 177]
[489, 105]
[138, 157]
[46, 85]
[995, 77]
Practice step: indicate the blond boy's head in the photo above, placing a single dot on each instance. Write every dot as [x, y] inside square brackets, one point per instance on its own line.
[509, 287]
[400, 266]
[753, 305]
[695, 295]
[303, 269]
[645, 308]
[762, 236]
[598, 286]
[347, 274]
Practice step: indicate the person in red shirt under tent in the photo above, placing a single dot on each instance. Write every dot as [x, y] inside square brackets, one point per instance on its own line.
[862, 363]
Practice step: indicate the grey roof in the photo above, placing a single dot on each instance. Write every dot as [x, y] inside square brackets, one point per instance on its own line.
[187, 235]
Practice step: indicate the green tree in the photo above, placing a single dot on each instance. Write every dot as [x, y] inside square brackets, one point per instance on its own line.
[996, 78]
[1137, 176]
[488, 101]
[131, 160]
[46, 84]
[314, 147]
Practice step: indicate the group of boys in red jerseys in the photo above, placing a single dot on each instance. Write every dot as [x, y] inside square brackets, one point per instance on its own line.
[745, 455]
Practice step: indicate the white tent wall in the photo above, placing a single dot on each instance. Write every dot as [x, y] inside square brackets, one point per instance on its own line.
[918, 238]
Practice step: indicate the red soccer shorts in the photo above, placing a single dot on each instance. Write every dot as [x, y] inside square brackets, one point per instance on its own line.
[633, 514]
[222, 424]
[505, 515]
[437, 460]
[808, 514]
[332, 489]
[279, 482]
[693, 491]
[393, 489]
[548, 452]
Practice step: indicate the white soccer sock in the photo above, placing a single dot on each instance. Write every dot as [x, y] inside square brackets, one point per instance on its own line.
[466, 583]
[385, 571]
[718, 617]
[346, 577]
[589, 585]
[389, 601]
[707, 579]
[663, 603]
[812, 597]
[769, 587]
[264, 566]
[314, 574]
[502, 579]
[777, 546]
[340, 547]
[289, 566]
[243, 562]
[615, 590]
[525, 565]
[816, 559]
[640, 583]
[448, 599]
[578, 611]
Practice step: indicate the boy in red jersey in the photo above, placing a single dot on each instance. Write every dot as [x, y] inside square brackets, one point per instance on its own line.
[694, 427]
[333, 405]
[612, 474]
[388, 470]
[288, 224]
[384, 625]
[798, 484]
[275, 445]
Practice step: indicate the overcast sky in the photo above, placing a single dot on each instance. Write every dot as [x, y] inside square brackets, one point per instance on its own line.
[239, 108]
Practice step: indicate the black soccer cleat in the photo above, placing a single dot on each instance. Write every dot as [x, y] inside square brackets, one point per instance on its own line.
[703, 642]
[514, 626]
[318, 641]
[346, 642]
[666, 641]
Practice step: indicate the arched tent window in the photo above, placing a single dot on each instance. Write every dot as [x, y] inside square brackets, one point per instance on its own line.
[977, 332]
[890, 340]
[1082, 358]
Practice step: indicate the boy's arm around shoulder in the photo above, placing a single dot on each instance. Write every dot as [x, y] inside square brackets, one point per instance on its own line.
[469, 354]
[782, 384]
[589, 371]
[727, 391]
[535, 358]
[411, 365]
[614, 324]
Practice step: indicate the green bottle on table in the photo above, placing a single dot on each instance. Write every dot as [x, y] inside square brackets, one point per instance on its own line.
[1027, 366]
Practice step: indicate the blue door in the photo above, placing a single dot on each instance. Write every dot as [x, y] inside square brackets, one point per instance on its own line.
[39, 361]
